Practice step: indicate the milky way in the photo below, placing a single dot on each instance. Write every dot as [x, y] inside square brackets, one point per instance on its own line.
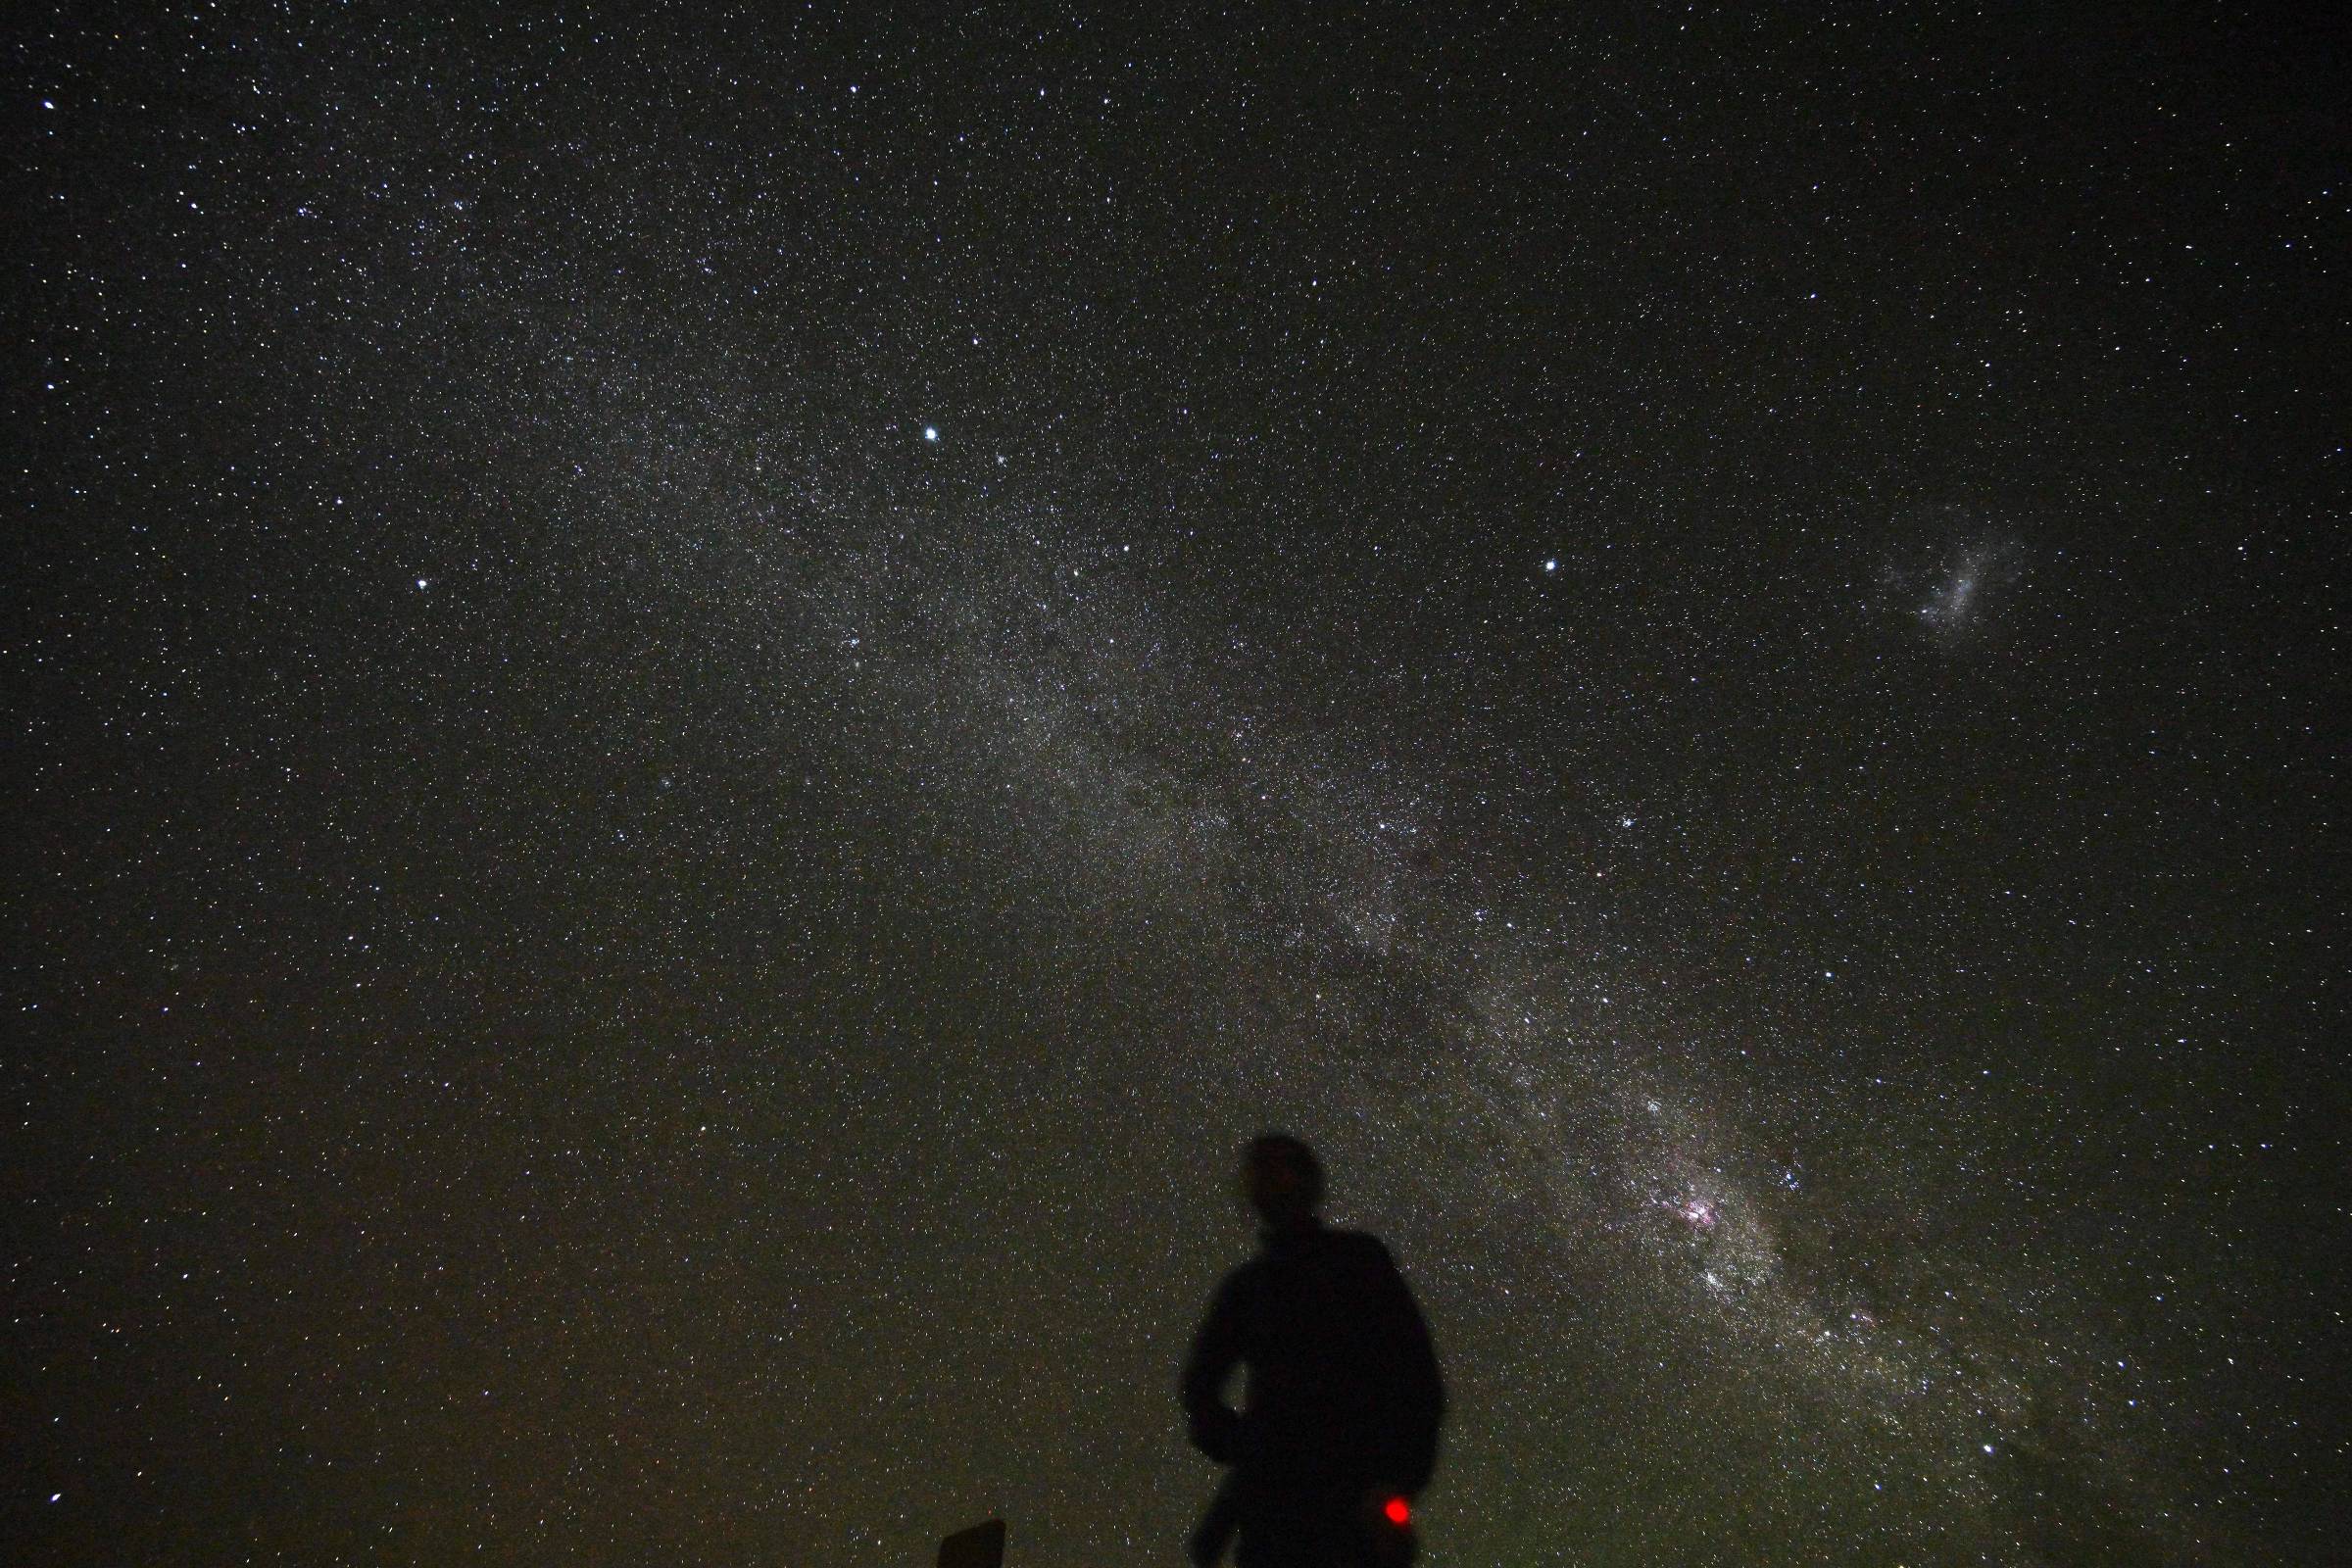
[707, 706]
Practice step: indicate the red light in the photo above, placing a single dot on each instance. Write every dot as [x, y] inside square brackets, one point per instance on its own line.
[1399, 1512]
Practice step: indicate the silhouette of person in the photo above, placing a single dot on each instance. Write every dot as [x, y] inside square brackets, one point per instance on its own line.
[1343, 1401]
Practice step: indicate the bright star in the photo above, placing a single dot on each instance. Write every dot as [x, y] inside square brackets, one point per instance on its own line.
[930, 432]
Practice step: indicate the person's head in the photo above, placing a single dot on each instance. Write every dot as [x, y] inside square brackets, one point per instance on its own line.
[1282, 1178]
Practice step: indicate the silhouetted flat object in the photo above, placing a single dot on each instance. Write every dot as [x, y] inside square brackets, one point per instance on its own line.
[981, 1547]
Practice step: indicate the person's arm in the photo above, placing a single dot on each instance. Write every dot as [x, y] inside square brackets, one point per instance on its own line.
[1213, 1425]
[1220, 1523]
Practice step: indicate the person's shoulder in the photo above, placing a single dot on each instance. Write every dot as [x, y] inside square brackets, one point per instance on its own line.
[1245, 1276]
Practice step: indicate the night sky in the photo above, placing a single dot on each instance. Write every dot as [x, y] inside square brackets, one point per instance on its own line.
[702, 706]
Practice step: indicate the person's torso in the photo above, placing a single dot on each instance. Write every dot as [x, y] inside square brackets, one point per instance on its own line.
[1317, 1319]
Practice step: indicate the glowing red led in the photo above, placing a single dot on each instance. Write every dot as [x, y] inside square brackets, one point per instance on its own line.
[1398, 1510]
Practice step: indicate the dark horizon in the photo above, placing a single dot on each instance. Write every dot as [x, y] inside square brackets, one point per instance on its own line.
[706, 704]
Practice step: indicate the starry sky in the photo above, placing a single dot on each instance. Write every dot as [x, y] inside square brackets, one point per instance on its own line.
[703, 702]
